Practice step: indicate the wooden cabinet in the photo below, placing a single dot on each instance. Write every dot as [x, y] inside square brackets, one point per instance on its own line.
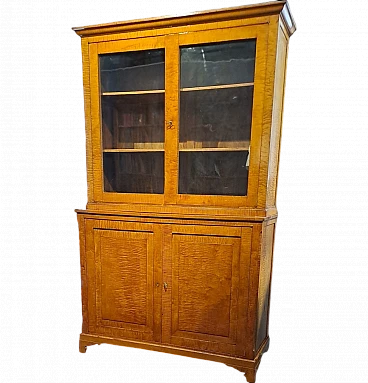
[183, 126]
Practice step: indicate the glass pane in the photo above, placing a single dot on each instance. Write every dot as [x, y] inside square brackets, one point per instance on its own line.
[218, 64]
[134, 172]
[213, 173]
[132, 71]
[216, 118]
[133, 121]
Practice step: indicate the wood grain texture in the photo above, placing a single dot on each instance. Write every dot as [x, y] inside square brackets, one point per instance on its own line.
[122, 263]
[259, 155]
[251, 322]
[203, 279]
[224, 149]
[213, 87]
[120, 273]
[264, 287]
[171, 117]
[87, 116]
[133, 92]
[182, 212]
[83, 268]
[201, 308]
[226, 359]
[278, 103]
[231, 361]
[232, 34]
[157, 282]
[167, 278]
[96, 144]
[267, 113]
[210, 26]
[243, 333]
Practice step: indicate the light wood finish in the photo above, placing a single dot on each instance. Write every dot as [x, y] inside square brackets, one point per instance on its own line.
[240, 364]
[121, 279]
[188, 212]
[88, 119]
[227, 149]
[217, 87]
[208, 280]
[182, 273]
[267, 31]
[278, 105]
[131, 150]
[171, 118]
[133, 92]
[232, 34]
[113, 47]
[264, 284]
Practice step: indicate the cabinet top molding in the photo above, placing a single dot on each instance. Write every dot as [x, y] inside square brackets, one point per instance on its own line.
[254, 10]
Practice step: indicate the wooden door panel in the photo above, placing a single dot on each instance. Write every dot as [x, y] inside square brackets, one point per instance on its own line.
[202, 284]
[121, 278]
[201, 306]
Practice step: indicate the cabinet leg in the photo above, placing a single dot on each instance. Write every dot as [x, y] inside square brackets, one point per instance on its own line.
[83, 345]
[250, 374]
[82, 348]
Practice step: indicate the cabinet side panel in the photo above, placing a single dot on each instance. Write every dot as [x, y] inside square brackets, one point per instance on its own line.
[83, 266]
[264, 283]
[281, 57]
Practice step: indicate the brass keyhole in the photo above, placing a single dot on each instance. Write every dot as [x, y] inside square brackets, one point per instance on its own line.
[165, 286]
[170, 125]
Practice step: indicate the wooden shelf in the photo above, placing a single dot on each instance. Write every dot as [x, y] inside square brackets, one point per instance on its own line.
[215, 178]
[240, 85]
[158, 91]
[132, 150]
[140, 126]
[133, 92]
[214, 150]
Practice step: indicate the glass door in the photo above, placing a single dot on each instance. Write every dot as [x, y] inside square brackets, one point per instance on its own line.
[128, 83]
[216, 101]
[220, 73]
[132, 99]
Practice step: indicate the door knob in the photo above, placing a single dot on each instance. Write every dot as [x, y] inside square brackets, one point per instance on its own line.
[170, 125]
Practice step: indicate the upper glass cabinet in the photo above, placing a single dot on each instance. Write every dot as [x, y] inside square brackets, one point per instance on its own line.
[177, 118]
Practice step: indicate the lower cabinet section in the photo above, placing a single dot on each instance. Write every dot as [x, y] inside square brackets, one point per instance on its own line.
[184, 286]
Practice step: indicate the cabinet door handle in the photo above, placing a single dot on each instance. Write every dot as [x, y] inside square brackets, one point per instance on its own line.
[165, 286]
[170, 125]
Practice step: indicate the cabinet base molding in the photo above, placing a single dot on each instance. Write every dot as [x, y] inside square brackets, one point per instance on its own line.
[246, 366]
